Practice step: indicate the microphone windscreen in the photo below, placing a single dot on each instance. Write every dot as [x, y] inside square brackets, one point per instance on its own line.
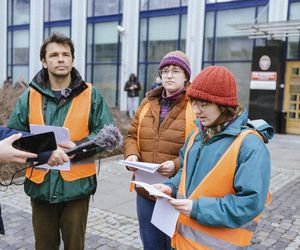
[109, 138]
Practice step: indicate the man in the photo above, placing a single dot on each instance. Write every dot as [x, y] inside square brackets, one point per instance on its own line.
[59, 97]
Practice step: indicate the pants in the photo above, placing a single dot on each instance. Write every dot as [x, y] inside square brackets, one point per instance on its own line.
[152, 238]
[69, 218]
[132, 105]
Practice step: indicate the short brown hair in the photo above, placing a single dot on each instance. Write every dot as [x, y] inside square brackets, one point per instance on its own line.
[56, 38]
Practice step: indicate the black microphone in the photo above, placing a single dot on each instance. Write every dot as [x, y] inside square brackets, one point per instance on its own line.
[107, 139]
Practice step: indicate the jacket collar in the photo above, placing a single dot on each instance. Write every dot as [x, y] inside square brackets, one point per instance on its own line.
[234, 128]
[40, 83]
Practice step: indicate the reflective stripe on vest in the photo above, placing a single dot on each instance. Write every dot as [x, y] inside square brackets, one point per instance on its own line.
[218, 183]
[189, 126]
[76, 121]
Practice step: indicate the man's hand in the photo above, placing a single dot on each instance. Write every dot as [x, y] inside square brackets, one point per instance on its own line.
[66, 146]
[58, 157]
[184, 206]
[132, 158]
[167, 168]
[9, 154]
[163, 188]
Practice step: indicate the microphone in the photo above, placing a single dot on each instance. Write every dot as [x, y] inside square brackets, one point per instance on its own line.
[107, 139]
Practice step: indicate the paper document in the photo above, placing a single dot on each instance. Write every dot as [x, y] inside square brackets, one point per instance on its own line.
[165, 216]
[61, 136]
[149, 178]
[149, 167]
[152, 190]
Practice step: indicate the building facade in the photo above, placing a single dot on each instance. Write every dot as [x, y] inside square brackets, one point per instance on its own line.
[118, 37]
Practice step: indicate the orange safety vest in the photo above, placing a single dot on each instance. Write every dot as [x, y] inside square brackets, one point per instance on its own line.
[76, 121]
[189, 233]
[189, 126]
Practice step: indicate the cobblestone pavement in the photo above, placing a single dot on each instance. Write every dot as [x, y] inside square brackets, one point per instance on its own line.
[278, 229]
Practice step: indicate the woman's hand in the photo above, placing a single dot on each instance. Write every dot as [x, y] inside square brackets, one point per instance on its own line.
[163, 188]
[184, 206]
[132, 158]
[167, 168]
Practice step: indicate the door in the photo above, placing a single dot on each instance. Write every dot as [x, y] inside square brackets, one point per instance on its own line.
[292, 97]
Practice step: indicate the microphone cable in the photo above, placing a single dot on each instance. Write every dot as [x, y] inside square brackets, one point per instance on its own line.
[4, 183]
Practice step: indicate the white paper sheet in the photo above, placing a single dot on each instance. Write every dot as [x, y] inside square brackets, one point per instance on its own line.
[149, 178]
[61, 136]
[165, 216]
[149, 167]
[152, 190]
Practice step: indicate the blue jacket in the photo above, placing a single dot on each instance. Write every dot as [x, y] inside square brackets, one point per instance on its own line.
[251, 181]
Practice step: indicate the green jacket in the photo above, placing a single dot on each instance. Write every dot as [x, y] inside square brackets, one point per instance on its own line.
[54, 189]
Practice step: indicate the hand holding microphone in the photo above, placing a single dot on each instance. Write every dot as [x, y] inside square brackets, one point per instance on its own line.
[107, 139]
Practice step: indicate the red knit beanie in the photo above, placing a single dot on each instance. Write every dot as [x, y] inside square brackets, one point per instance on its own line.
[214, 84]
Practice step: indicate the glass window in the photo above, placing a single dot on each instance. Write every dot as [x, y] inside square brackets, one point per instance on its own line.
[103, 7]
[230, 46]
[143, 6]
[294, 11]
[183, 32]
[9, 47]
[105, 80]
[21, 47]
[57, 10]
[20, 11]
[209, 36]
[293, 42]
[89, 43]
[241, 71]
[20, 73]
[292, 47]
[163, 36]
[106, 42]
[152, 72]
[262, 14]
[143, 39]
[158, 4]
[65, 30]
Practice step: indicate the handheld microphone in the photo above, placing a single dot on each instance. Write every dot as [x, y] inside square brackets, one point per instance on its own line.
[107, 139]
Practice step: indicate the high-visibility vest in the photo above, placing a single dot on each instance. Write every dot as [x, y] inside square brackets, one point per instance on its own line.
[189, 126]
[189, 233]
[76, 121]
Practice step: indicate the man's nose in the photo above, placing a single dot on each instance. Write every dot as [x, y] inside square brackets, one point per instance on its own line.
[60, 58]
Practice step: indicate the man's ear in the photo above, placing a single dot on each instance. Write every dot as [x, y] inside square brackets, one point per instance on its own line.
[44, 64]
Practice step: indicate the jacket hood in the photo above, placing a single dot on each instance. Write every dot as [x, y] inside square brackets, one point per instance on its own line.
[40, 82]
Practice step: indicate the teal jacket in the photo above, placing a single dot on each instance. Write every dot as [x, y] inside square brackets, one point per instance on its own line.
[251, 181]
[54, 189]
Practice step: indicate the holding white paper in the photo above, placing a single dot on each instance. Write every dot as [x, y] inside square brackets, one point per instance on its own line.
[148, 167]
[150, 178]
[165, 216]
[61, 136]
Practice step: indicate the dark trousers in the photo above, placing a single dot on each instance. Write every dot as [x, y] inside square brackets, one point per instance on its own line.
[152, 238]
[68, 218]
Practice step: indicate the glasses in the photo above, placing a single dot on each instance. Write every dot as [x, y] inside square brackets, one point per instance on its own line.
[174, 72]
[201, 105]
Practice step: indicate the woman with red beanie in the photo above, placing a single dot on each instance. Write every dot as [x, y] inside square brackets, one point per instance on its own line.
[222, 185]
[157, 133]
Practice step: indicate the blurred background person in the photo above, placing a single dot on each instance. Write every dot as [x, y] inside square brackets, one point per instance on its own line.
[132, 87]
[157, 83]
